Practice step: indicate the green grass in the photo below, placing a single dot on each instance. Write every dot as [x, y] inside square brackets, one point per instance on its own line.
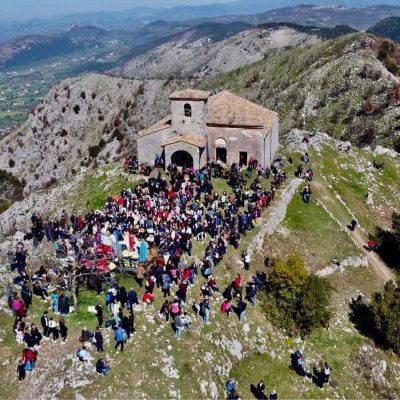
[353, 186]
[314, 235]
[92, 192]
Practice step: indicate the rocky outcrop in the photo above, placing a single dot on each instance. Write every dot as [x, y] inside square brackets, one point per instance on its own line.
[184, 56]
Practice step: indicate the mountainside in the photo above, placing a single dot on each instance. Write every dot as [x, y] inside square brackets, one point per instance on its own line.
[345, 86]
[341, 86]
[31, 66]
[193, 55]
[90, 118]
[138, 16]
[28, 49]
[389, 28]
[357, 18]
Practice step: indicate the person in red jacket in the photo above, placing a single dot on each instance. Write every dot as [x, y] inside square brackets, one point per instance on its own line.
[29, 359]
[238, 282]
[148, 298]
[371, 245]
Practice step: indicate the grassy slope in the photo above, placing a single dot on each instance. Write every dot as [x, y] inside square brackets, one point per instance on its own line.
[206, 353]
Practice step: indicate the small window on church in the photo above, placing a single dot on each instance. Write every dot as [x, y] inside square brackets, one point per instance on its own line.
[188, 110]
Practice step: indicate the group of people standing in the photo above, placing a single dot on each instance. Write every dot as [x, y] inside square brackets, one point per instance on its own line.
[153, 228]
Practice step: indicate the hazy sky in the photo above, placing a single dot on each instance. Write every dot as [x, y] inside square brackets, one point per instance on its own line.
[24, 9]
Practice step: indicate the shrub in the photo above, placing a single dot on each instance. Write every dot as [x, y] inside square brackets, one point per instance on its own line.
[396, 143]
[388, 242]
[83, 95]
[368, 137]
[117, 122]
[51, 182]
[102, 144]
[313, 307]
[94, 151]
[140, 90]
[297, 301]
[77, 109]
[117, 135]
[11, 163]
[385, 310]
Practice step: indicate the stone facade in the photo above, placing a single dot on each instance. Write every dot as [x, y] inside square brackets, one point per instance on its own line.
[203, 127]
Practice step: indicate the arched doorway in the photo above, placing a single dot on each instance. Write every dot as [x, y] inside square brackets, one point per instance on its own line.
[220, 150]
[182, 159]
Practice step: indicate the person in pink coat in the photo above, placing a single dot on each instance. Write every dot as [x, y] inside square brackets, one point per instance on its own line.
[226, 307]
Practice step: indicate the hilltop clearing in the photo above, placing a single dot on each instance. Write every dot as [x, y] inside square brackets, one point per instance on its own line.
[199, 364]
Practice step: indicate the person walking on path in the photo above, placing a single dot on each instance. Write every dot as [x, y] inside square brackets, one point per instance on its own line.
[53, 328]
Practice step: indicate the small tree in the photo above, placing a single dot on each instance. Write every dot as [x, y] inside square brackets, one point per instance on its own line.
[388, 242]
[94, 151]
[313, 306]
[385, 308]
[288, 277]
[295, 300]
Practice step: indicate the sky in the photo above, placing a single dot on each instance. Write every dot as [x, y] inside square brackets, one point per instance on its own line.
[25, 9]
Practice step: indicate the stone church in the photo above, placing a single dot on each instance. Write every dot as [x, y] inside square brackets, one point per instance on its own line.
[204, 127]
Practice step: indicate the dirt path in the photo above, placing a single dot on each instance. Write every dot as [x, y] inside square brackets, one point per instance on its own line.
[359, 237]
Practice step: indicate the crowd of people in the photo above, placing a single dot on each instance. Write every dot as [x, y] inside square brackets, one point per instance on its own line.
[150, 232]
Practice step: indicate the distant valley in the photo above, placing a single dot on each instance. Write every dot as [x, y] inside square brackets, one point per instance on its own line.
[31, 65]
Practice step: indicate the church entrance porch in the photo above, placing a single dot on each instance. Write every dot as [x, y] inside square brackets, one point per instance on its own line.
[182, 159]
[185, 151]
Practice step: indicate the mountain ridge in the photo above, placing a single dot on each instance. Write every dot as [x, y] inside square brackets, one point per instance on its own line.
[389, 28]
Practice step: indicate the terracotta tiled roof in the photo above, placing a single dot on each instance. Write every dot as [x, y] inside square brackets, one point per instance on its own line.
[190, 95]
[225, 108]
[158, 126]
[191, 139]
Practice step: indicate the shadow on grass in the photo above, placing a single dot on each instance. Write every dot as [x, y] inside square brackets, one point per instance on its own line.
[362, 317]
[388, 247]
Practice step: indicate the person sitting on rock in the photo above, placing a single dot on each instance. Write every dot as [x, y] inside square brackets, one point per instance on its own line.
[82, 354]
[102, 366]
